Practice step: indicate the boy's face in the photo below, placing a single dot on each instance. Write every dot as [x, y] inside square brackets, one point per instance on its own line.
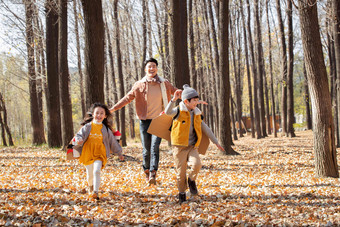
[192, 104]
[99, 114]
[151, 69]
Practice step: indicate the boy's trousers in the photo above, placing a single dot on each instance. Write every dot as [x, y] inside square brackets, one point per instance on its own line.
[186, 156]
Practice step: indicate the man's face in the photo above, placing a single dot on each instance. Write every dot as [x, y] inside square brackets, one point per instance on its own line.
[151, 69]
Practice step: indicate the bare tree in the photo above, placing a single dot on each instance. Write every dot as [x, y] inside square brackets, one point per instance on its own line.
[323, 128]
[290, 85]
[80, 71]
[120, 73]
[52, 97]
[224, 99]
[94, 50]
[180, 65]
[64, 77]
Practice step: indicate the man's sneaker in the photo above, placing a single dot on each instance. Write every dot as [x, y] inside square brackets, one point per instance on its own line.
[147, 174]
[152, 178]
[182, 197]
[192, 187]
[91, 189]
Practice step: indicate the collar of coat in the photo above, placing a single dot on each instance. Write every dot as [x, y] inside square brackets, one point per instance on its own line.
[182, 107]
[161, 79]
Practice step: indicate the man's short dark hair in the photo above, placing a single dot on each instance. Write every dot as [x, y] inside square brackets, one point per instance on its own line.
[150, 60]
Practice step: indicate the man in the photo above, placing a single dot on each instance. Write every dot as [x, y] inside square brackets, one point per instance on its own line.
[152, 94]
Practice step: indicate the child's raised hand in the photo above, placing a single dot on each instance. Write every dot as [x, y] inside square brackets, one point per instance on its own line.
[220, 147]
[177, 95]
[202, 102]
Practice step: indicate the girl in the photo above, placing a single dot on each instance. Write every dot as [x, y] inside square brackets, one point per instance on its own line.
[96, 140]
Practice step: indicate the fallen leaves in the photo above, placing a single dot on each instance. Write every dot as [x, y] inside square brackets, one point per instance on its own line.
[271, 183]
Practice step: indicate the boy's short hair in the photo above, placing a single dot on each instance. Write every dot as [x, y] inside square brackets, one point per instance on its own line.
[150, 60]
[193, 98]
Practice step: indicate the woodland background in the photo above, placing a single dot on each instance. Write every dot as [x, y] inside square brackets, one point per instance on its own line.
[270, 65]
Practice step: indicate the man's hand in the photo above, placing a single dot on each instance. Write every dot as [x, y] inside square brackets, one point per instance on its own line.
[121, 157]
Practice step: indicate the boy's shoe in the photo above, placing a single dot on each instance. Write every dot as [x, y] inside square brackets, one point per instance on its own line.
[94, 196]
[192, 187]
[147, 174]
[152, 178]
[182, 197]
[91, 189]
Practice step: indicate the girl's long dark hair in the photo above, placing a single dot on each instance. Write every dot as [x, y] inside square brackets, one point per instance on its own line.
[89, 115]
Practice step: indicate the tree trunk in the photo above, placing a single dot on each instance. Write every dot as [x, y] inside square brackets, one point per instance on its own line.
[38, 136]
[3, 135]
[64, 77]
[271, 73]
[179, 47]
[4, 120]
[224, 111]
[120, 74]
[323, 128]
[80, 71]
[113, 78]
[167, 68]
[307, 99]
[193, 74]
[336, 37]
[144, 48]
[290, 88]
[94, 51]
[283, 70]
[254, 71]
[53, 101]
[260, 68]
[159, 31]
[250, 95]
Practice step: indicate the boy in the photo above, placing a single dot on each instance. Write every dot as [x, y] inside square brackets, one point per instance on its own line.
[186, 135]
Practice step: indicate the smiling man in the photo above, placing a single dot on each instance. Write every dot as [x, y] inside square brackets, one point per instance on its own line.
[152, 94]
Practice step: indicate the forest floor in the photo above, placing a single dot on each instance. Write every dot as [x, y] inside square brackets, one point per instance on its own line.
[272, 182]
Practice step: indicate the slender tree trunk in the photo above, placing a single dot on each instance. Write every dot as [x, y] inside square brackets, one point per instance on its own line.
[283, 70]
[271, 73]
[113, 78]
[38, 137]
[53, 101]
[4, 120]
[193, 74]
[94, 51]
[250, 95]
[254, 71]
[180, 61]
[307, 99]
[3, 135]
[290, 88]
[144, 48]
[149, 29]
[336, 37]
[224, 111]
[323, 128]
[120, 74]
[64, 77]
[260, 68]
[167, 69]
[40, 76]
[159, 30]
[80, 71]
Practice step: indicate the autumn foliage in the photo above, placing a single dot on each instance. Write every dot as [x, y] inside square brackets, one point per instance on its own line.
[271, 182]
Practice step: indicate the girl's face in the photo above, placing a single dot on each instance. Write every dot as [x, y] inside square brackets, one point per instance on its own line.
[99, 114]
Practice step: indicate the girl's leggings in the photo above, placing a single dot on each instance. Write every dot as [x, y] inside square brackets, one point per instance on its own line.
[93, 174]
